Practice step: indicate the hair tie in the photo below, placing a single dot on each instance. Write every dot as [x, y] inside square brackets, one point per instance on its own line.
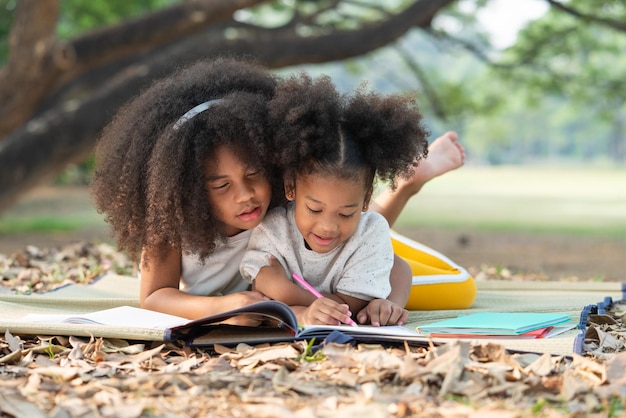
[194, 111]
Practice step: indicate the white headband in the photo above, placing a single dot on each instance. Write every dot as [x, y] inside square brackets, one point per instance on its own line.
[194, 111]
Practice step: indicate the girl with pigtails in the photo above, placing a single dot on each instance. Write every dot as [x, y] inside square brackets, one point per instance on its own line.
[331, 149]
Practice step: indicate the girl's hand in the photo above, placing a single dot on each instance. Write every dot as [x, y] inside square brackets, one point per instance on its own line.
[383, 312]
[325, 311]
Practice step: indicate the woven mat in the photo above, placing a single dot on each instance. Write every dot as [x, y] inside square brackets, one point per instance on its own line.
[494, 296]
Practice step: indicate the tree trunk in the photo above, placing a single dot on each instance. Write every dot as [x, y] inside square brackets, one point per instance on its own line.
[65, 129]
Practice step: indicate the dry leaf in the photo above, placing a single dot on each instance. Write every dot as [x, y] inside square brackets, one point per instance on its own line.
[616, 369]
[601, 319]
[540, 367]
[17, 406]
[573, 384]
[12, 358]
[267, 354]
[81, 377]
[14, 343]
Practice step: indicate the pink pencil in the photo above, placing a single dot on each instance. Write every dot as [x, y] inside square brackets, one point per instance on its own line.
[314, 292]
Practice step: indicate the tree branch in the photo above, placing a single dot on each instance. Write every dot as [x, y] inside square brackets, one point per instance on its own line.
[66, 132]
[613, 24]
[468, 46]
[262, 43]
[33, 49]
[429, 91]
[146, 32]
[54, 64]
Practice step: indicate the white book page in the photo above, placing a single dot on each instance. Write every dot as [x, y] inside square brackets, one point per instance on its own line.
[122, 316]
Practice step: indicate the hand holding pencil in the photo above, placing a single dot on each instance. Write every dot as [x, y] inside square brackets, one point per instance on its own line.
[314, 292]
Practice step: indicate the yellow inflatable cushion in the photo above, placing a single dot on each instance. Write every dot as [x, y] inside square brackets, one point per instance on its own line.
[438, 283]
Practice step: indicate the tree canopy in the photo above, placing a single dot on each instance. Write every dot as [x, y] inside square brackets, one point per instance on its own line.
[68, 66]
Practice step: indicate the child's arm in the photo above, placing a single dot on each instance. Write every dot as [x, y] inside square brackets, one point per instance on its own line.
[391, 311]
[332, 309]
[272, 281]
[159, 291]
[401, 279]
[308, 309]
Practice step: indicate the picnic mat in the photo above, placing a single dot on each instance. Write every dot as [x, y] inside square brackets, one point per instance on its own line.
[109, 291]
[492, 296]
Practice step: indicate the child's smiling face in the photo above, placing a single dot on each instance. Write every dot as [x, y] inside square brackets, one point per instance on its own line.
[239, 194]
[327, 209]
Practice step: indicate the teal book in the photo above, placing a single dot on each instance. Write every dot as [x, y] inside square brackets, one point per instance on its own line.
[495, 323]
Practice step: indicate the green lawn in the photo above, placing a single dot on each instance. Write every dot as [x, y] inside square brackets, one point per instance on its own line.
[52, 210]
[589, 201]
[539, 199]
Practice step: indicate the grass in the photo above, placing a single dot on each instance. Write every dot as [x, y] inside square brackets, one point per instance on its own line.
[580, 201]
[45, 224]
[534, 199]
[48, 210]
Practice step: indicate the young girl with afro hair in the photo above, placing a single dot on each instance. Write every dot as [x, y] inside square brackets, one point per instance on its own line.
[183, 175]
[181, 185]
[330, 149]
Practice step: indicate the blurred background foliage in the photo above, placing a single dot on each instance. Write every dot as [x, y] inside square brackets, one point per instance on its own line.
[540, 111]
[555, 95]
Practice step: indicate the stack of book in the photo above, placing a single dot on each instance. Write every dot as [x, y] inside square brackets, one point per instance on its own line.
[500, 325]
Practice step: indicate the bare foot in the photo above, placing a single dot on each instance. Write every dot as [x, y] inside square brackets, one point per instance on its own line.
[444, 154]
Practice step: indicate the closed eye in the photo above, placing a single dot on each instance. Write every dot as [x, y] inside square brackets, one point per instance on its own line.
[219, 186]
[313, 210]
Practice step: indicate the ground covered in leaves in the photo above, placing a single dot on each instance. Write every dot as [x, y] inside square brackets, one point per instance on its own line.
[78, 377]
